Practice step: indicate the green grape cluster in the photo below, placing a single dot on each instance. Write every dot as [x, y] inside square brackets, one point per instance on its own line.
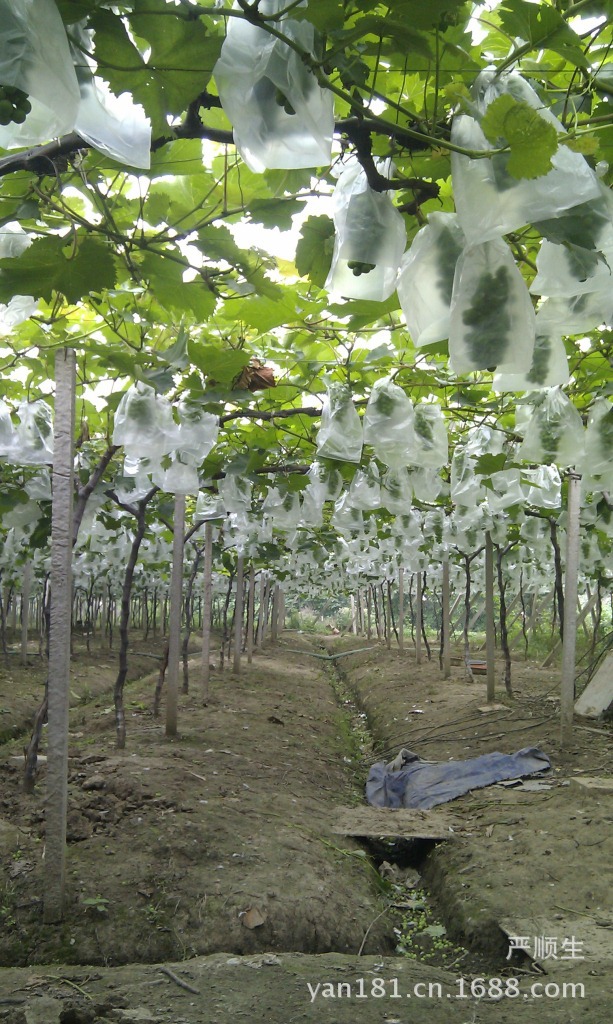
[358, 268]
[384, 403]
[14, 105]
[282, 101]
[540, 360]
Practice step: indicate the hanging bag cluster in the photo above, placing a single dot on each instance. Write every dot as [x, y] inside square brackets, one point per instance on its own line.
[280, 115]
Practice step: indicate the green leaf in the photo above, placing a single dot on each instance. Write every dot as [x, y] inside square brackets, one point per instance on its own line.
[275, 213]
[177, 355]
[264, 313]
[219, 364]
[532, 140]
[486, 464]
[314, 249]
[543, 28]
[53, 265]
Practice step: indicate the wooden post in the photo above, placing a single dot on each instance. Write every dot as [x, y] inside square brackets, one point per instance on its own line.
[263, 601]
[567, 693]
[369, 613]
[274, 626]
[388, 615]
[238, 614]
[26, 580]
[250, 613]
[401, 610]
[446, 620]
[418, 615]
[354, 615]
[59, 638]
[490, 651]
[205, 667]
[174, 627]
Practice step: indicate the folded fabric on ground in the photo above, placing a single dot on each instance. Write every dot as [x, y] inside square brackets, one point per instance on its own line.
[410, 782]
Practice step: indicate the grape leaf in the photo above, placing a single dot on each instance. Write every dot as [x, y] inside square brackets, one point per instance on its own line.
[532, 140]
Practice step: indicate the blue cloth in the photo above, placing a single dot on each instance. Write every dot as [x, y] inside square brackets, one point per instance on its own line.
[421, 784]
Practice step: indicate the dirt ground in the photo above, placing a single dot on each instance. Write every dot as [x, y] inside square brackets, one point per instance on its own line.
[205, 882]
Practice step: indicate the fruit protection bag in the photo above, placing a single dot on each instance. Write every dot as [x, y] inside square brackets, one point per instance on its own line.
[346, 519]
[340, 432]
[235, 492]
[325, 482]
[598, 458]
[370, 237]
[554, 433]
[426, 482]
[425, 279]
[365, 489]
[549, 364]
[35, 57]
[388, 424]
[208, 506]
[112, 125]
[34, 434]
[572, 314]
[280, 115]
[466, 489]
[492, 318]
[506, 490]
[544, 486]
[431, 446]
[197, 433]
[144, 424]
[7, 432]
[396, 491]
[311, 510]
[489, 201]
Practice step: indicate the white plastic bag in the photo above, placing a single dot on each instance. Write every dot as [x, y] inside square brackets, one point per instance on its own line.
[208, 506]
[370, 237]
[280, 115]
[549, 365]
[144, 423]
[34, 434]
[545, 486]
[466, 488]
[197, 433]
[426, 482]
[113, 125]
[13, 240]
[340, 432]
[346, 519]
[598, 458]
[396, 491]
[18, 309]
[570, 270]
[388, 424]
[492, 318]
[425, 279]
[325, 481]
[235, 492]
[431, 445]
[180, 477]
[7, 432]
[35, 57]
[311, 511]
[555, 432]
[489, 201]
[506, 490]
[365, 489]
[573, 314]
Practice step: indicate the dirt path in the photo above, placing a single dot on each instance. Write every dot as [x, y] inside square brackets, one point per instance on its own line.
[213, 855]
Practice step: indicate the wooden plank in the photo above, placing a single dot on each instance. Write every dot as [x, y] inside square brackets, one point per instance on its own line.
[397, 823]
